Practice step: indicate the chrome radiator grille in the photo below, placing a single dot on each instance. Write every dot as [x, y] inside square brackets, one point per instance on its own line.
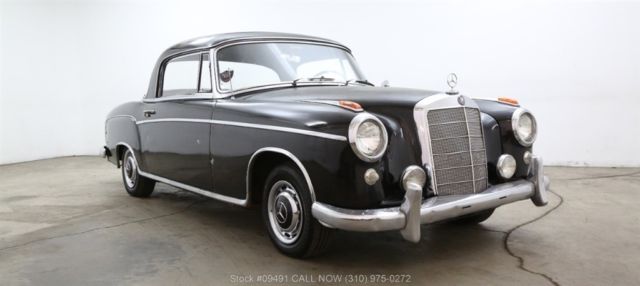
[458, 151]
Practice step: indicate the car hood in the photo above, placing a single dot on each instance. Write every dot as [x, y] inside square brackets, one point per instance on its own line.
[370, 98]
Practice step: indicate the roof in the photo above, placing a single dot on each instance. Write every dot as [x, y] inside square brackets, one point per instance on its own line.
[206, 42]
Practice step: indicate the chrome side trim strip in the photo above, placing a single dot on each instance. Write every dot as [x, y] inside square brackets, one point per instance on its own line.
[206, 121]
[232, 200]
[288, 154]
[283, 129]
[250, 125]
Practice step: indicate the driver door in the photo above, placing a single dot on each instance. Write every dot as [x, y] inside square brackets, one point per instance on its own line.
[175, 133]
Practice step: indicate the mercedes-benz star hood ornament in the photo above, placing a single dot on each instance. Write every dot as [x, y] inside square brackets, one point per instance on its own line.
[452, 81]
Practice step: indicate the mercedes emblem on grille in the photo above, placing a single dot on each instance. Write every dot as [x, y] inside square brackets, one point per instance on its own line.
[461, 100]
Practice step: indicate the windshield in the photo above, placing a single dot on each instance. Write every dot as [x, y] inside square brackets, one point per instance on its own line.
[259, 64]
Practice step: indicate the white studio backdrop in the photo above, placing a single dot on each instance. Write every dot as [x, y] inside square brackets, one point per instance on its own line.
[576, 65]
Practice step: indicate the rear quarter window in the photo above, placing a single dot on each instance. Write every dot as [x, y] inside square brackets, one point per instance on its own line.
[181, 76]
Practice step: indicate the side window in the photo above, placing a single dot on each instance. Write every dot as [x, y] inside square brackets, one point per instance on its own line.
[181, 76]
[205, 74]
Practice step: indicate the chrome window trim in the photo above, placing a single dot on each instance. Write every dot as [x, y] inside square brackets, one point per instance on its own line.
[433, 102]
[288, 154]
[260, 38]
[353, 130]
[250, 125]
[515, 118]
[217, 93]
[210, 194]
[180, 97]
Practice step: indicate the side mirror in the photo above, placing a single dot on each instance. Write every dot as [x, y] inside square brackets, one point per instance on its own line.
[385, 83]
[226, 76]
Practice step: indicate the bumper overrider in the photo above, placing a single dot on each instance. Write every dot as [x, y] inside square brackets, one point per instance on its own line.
[415, 211]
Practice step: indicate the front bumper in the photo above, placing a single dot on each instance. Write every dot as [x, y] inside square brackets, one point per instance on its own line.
[414, 211]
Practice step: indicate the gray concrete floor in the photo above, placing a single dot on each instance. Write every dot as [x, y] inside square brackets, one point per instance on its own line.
[68, 221]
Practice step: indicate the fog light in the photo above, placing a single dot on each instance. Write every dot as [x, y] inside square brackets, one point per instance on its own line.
[371, 177]
[506, 166]
[413, 175]
[527, 157]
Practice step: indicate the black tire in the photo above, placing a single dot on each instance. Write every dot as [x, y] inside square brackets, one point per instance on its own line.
[291, 193]
[135, 184]
[474, 218]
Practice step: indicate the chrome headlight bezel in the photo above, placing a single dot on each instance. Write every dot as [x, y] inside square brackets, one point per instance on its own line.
[413, 175]
[501, 166]
[356, 122]
[515, 121]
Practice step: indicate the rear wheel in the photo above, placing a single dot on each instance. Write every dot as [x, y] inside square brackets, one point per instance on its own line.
[474, 218]
[136, 185]
[286, 213]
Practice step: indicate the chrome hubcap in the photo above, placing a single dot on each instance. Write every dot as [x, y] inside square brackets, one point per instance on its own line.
[285, 212]
[130, 171]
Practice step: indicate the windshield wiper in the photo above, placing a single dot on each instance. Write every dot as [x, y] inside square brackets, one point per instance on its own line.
[360, 81]
[321, 79]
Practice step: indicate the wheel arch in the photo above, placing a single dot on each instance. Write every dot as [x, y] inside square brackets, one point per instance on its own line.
[262, 161]
[121, 148]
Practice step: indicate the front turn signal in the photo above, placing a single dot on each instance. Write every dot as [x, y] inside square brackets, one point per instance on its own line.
[350, 105]
[508, 100]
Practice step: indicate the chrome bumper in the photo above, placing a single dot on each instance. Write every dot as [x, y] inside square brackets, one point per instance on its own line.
[414, 211]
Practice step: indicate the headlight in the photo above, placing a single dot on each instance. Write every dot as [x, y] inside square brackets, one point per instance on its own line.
[524, 127]
[368, 137]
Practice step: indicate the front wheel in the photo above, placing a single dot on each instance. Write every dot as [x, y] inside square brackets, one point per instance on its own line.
[136, 185]
[286, 213]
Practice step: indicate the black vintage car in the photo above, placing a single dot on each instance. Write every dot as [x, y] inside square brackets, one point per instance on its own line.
[289, 122]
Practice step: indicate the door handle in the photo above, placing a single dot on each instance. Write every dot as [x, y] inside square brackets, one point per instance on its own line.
[148, 113]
